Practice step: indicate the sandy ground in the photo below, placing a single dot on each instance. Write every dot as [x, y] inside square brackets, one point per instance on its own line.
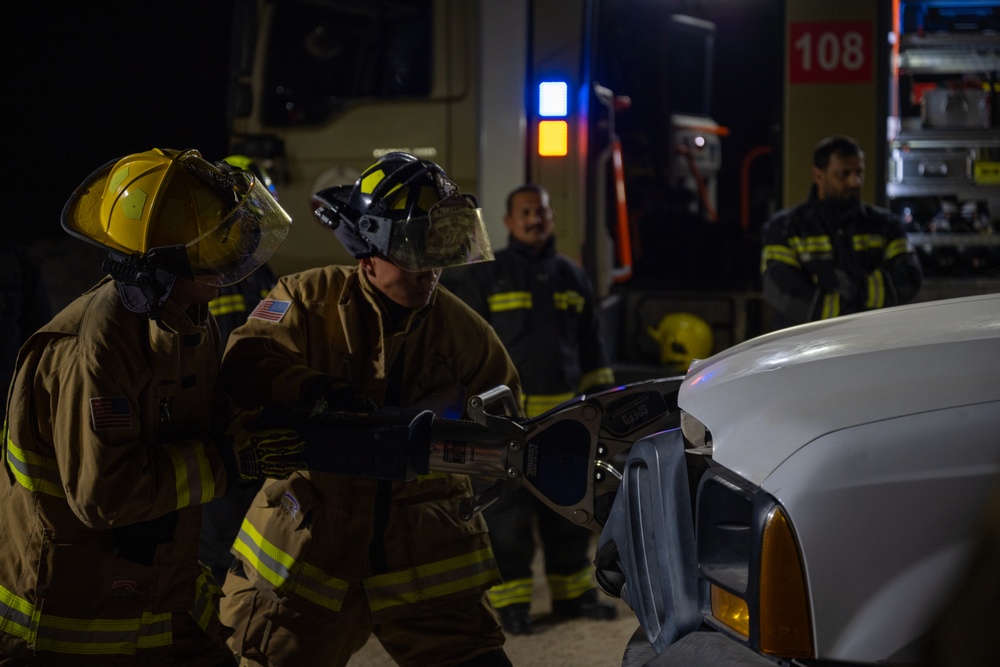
[582, 643]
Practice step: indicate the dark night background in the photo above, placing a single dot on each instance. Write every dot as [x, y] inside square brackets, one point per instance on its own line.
[87, 81]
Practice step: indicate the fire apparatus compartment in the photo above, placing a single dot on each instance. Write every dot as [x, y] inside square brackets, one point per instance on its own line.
[943, 171]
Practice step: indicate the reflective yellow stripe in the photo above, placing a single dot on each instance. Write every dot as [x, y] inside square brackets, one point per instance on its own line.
[34, 471]
[571, 586]
[207, 591]
[504, 301]
[426, 582]
[286, 574]
[101, 637]
[568, 300]
[516, 591]
[778, 253]
[811, 245]
[273, 564]
[226, 304]
[537, 404]
[831, 306]
[60, 634]
[898, 247]
[318, 587]
[876, 290]
[863, 242]
[193, 480]
[598, 376]
[18, 617]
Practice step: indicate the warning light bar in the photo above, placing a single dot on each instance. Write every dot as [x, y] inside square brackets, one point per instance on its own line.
[553, 104]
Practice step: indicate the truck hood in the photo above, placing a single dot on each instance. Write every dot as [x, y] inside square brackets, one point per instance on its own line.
[764, 399]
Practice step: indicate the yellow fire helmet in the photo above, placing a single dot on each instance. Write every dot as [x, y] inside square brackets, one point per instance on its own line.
[174, 212]
[683, 337]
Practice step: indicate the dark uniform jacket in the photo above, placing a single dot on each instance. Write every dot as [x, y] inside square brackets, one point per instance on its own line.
[542, 307]
[106, 460]
[821, 260]
[308, 538]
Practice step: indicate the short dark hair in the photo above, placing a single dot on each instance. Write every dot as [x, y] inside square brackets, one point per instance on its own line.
[836, 144]
[527, 187]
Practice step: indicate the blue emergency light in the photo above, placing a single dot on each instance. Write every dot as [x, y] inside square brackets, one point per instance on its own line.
[553, 107]
[553, 99]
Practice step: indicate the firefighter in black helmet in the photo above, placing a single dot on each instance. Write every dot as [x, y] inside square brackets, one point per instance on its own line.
[327, 560]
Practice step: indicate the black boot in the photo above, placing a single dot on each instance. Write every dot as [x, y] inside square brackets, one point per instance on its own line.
[585, 606]
[515, 619]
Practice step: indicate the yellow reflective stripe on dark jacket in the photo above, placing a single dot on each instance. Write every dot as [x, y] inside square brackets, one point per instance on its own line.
[897, 247]
[86, 636]
[596, 377]
[537, 404]
[863, 242]
[227, 303]
[451, 576]
[569, 300]
[505, 301]
[831, 306]
[876, 291]
[285, 574]
[33, 471]
[778, 253]
[808, 246]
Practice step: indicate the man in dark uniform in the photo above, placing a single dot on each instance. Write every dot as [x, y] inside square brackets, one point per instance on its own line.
[542, 306]
[833, 254]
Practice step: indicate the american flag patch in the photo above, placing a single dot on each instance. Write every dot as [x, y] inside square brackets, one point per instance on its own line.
[270, 310]
[110, 412]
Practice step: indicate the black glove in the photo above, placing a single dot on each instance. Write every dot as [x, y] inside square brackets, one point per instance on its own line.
[333, 394]
[852, 287]
[265, 452]
[389, 443]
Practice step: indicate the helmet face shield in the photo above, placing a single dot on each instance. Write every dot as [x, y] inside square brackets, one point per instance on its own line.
[243, 240]
[408, 211]
[452, 234]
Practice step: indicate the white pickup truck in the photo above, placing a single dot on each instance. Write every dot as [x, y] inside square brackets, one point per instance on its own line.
[839, 471]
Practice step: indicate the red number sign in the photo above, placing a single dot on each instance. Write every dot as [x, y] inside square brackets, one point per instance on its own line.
[830, 52]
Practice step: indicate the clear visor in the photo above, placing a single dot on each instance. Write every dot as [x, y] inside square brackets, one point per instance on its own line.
[452, 234]
[243, 240]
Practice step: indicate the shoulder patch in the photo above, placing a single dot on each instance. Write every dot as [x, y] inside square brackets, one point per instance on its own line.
[270, 310]
[107, 412]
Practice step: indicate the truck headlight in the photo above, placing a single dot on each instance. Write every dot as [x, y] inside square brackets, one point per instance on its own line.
[750, 562]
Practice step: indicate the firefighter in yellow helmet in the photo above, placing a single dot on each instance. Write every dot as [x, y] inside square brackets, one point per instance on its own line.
[682, 338]
[109, 449]
[327, 560]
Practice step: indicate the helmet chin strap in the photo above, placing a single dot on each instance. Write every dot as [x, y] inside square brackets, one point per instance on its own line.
[141, 287]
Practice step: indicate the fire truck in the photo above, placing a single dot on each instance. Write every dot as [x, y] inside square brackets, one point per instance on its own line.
[665, 132]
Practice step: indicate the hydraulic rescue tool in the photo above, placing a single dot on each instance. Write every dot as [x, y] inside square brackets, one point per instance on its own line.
[569, 457]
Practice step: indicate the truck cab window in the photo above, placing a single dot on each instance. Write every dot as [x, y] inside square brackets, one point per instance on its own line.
[324, 55]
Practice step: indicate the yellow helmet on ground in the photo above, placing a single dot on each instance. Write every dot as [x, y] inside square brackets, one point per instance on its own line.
[683, 337]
